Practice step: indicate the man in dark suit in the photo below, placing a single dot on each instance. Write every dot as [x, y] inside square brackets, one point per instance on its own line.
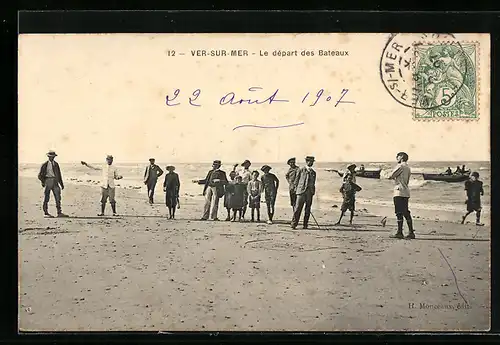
[51, 178]
[213, 190]
[305, 188]
[151, 175]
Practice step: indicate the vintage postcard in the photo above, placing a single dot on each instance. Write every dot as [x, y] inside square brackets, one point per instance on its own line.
[254, 182]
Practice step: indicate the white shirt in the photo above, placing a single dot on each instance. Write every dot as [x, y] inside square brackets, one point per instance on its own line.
[401, 175]
[109, 174]
[246, 175]
[50, 170]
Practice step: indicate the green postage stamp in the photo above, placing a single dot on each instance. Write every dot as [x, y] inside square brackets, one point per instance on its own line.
[446, 81]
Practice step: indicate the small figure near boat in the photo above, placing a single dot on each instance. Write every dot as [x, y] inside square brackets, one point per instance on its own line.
[458, 170]
[351, 171]
[348, 190]
[474, 190]
[448, 171]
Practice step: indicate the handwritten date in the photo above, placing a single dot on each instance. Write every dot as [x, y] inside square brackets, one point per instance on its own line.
[258, 96]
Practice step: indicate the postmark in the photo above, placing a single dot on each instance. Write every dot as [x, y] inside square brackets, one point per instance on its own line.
[434, 74]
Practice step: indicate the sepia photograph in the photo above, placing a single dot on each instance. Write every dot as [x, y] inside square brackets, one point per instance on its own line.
[254, 182]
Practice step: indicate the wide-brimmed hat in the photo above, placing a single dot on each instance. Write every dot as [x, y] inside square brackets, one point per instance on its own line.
[109, 157]
[217, 162]
[265, 168]
[246, 162]
[291, 160]
[310, 158]
[170, 167]
[351, 166]
[51, 153]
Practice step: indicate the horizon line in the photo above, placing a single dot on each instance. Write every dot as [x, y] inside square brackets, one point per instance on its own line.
[273, 162]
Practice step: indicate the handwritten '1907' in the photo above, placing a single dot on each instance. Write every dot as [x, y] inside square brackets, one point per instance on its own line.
[231, 99]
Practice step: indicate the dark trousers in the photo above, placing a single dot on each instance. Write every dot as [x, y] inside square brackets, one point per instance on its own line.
[151, 189]
[302, 199]
[51, 186]
[293, 198]
[402, 211]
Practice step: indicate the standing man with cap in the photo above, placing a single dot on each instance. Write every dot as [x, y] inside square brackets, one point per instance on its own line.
[401, 176]
[290, 177]
[151, 175]
[109, 175]
[51, 179]
[305, 188]
[270, 184]
[213, 190]
[246, 176]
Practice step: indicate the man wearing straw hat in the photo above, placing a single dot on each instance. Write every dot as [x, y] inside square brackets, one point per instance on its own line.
[51, 178]
[213, 190]
[246, 176]
[109, 175]
[305, 188]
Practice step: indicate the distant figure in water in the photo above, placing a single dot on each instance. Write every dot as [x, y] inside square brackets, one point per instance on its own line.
[458, 171]
[348, 190]
[171, 187]
[448, 171]
[463, 169]
[474, 190]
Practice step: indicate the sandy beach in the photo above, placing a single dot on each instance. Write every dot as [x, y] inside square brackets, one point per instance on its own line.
[140, 271]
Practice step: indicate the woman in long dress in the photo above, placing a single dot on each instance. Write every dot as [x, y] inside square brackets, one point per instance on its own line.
[171, 187]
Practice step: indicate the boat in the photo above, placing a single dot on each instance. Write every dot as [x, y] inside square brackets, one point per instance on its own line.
[365, 173]
[447, 178]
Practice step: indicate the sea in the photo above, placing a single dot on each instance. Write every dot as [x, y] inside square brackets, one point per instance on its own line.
[429, 199]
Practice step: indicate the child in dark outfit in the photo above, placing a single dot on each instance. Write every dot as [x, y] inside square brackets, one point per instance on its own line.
[348, 190]
[228, 194]
[474, 191]
[237, 200]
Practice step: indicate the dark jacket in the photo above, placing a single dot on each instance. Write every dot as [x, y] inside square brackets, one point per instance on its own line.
[152, 173]
[212, 175]
[57, 173]
[172, 183]
[305, 181]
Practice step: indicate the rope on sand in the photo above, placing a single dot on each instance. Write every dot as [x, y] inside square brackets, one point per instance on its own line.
[454, 276]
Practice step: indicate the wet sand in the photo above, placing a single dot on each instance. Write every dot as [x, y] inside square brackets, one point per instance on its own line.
[141, 271]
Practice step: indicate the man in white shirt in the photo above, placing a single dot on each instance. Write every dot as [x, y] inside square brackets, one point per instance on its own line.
[109, 175]
[246, 176]
[401, 176]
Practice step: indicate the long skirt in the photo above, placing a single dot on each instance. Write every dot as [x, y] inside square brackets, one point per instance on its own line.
[171, 198]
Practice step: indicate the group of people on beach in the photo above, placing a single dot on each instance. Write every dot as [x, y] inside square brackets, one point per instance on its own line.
[244, 189]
